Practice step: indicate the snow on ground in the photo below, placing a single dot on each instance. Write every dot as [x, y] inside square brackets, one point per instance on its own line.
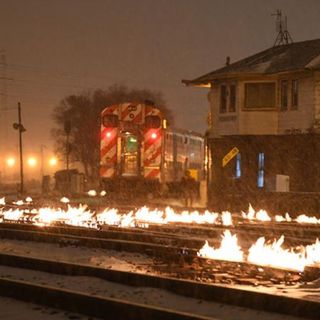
[124, 261]
[136, 263]
[150, 296]
[307, 291]
[18, 310]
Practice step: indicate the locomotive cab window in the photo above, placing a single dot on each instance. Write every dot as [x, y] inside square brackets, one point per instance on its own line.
[110, 120]
[152, 122]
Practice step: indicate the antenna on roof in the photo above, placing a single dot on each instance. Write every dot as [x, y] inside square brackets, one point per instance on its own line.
[283, 36]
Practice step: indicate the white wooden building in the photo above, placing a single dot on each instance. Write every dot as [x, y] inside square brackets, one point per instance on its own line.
[267, 105]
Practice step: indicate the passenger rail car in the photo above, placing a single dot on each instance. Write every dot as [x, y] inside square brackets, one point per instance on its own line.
[137, 148]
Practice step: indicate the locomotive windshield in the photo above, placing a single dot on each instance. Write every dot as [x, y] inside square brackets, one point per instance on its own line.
[152, 122]
[110, 120]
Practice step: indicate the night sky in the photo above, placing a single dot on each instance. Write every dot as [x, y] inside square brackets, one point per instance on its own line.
[57, 48]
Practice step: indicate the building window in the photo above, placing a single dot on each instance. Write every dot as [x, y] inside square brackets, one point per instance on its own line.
[238, 166]
[284, 95]
[260, 181]
[295, 94]
[223, 99]
[232, 98]
[260, 95]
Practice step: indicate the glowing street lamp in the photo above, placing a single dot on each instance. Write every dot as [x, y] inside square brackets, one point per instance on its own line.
[53, 161]
[32, 162]
[11, 162]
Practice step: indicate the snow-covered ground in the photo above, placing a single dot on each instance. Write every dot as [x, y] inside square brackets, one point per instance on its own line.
[124, 261]
[137, 263]
[150, 296]
[11, 309]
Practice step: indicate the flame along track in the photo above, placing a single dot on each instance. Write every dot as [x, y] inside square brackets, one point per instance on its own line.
[167, 247]
[259, 252]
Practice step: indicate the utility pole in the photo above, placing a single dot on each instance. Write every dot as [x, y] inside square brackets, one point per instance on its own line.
[3, 77]
[42, 146]
[19, 126]
[67, 130]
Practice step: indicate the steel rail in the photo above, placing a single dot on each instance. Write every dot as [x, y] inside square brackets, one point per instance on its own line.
[91, 305]
[210, 292]
[152, 249]
[170, 255]
[174, 235]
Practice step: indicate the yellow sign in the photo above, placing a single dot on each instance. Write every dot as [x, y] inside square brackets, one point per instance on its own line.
[194, 174]
[230, 155]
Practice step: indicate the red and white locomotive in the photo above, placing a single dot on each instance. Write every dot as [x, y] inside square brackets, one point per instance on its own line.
[138, 150]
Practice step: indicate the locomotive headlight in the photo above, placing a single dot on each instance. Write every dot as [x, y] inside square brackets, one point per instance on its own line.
[154, 136]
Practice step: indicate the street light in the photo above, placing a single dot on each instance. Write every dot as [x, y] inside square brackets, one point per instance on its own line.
[32, 162]
[19, 126]
[53, 161]
[11, 162]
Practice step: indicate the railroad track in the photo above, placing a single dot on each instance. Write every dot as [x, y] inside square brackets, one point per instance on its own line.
[295, 233]
[96, 306]
[181, 235]
[99, 306]
[170, 259]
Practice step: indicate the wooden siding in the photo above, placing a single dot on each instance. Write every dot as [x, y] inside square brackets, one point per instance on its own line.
[266, 122]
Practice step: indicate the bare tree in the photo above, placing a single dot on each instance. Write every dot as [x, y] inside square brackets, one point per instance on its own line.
[83, 114]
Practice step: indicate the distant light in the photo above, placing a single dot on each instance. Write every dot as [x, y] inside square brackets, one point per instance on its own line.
[108, 134]
[103, 193]
[164, 124]
[28, 199]
[11, 162]
[64, 200]
[154, 136]
[53, 161]
[32, 162]
[92, 193]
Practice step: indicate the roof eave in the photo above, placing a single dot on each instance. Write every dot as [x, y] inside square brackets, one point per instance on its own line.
[195, 83]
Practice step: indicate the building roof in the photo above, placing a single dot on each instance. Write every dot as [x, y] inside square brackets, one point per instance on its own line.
[291, 57]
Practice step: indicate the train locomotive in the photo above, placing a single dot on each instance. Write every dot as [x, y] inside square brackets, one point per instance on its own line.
[139, 152]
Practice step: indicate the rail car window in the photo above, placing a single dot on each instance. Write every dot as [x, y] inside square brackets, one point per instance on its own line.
[110, 120]
[152, 122]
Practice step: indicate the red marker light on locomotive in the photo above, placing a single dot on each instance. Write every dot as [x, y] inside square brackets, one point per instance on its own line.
[108, 134]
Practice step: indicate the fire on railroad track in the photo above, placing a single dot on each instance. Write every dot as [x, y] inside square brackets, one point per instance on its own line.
[258, 250]
[247, 249]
